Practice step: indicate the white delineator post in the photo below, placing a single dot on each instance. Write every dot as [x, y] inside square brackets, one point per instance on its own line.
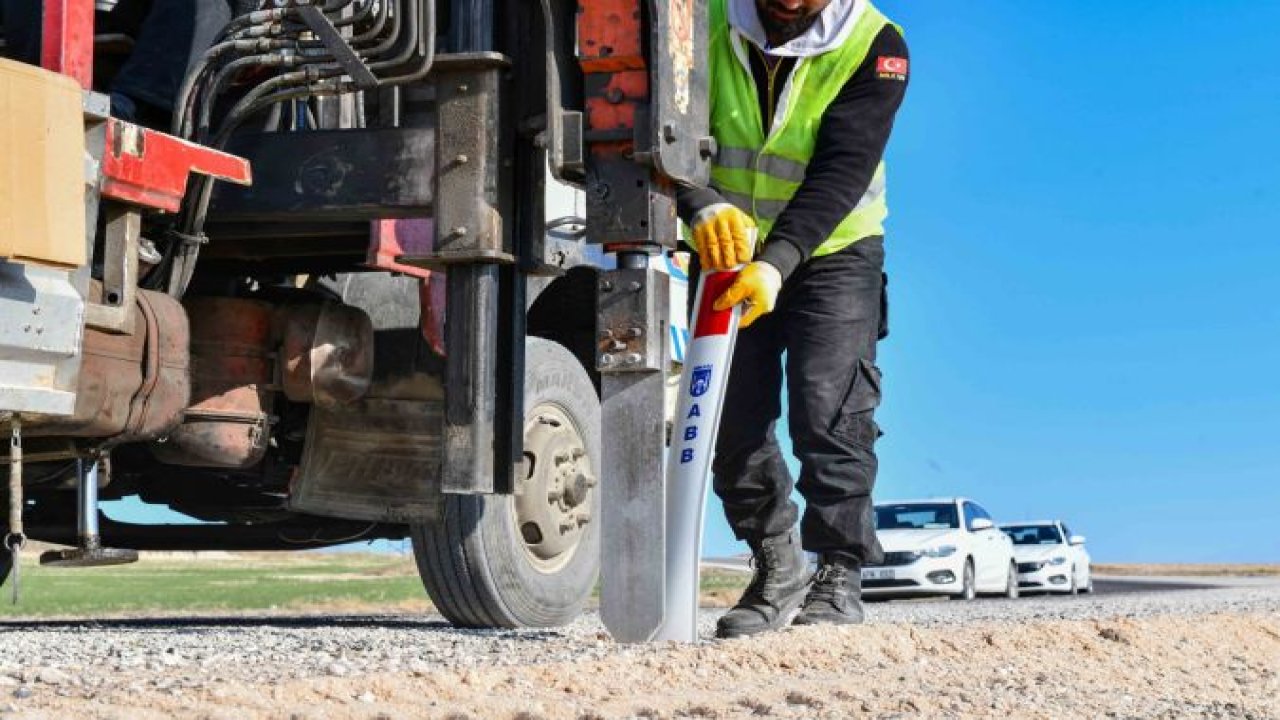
[693, 439]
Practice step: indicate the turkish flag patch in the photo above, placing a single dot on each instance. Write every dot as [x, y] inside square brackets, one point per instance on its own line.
[891, 68]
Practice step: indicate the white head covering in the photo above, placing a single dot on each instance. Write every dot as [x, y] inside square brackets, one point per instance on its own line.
[828, 32]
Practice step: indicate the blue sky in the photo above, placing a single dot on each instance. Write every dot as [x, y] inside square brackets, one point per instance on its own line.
[1083, 250]
[1084, 255]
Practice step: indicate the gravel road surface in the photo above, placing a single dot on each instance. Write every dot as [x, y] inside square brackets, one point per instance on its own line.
[1191, 653]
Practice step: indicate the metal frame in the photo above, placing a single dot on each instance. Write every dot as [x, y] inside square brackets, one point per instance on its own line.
[66, 43]
[114, 311]
[141, 166]
[640, 118]
[149, 168]
[642, 125]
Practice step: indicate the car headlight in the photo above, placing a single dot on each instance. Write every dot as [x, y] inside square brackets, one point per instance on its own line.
[940, 551]
[1058, 561]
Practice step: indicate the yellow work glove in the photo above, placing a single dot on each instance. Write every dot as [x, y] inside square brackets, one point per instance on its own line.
[722, 237]
[758, 285]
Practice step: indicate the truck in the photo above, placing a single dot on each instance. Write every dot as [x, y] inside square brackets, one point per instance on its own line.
[318, 292]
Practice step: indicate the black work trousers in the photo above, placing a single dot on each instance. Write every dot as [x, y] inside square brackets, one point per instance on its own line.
[829, 316]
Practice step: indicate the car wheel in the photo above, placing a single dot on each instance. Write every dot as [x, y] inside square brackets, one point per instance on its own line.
[1011, 589]
[529, 559]
[969, 587]
[1088, 586]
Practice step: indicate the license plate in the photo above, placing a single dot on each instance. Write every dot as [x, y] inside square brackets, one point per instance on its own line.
[877, 574]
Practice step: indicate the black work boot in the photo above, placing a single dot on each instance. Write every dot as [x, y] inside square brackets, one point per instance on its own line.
[834, 597]
[782, 574]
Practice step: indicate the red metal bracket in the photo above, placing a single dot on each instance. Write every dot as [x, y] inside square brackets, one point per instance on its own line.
[66, 43]
[150, 168]
[390, 239]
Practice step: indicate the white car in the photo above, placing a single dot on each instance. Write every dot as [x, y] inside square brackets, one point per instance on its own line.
[940, 547]
[1050, 558]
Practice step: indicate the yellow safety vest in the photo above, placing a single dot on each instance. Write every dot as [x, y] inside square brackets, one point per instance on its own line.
[758, 173]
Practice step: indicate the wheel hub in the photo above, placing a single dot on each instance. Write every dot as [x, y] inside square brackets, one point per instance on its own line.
[553, 502]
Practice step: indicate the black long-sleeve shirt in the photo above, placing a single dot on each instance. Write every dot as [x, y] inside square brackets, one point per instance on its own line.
[851, 140]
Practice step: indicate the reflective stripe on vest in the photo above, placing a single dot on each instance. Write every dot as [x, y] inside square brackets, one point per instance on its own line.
[765, 209]
[759, 173]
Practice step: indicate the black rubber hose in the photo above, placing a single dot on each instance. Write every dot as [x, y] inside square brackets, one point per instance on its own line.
[314, 81]
[183, 125]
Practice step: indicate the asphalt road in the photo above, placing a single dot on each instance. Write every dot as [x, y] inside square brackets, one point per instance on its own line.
[1103, 585]
[1113, 585]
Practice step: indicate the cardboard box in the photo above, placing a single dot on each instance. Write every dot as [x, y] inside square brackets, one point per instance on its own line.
[42, 166]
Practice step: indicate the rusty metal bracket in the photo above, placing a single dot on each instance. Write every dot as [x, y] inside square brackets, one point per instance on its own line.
[630, 326]
[678, 138]
[114, 312]
[468, 223]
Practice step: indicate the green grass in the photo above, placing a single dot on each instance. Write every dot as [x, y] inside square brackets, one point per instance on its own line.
[294, 581]
[184, 584]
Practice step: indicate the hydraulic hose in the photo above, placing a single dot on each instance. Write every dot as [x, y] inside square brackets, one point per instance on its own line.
[269, 54]
[309, 82]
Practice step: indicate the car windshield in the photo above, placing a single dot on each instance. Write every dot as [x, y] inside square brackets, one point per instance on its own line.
[917, 516]
[1034, 534]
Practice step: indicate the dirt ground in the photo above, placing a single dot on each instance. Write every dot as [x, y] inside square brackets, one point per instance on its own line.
[1223, 665]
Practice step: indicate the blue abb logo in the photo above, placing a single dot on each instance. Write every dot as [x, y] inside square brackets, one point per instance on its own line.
[699, 384]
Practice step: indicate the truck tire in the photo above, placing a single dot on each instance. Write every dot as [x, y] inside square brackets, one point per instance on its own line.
[1011, 589]
[530, 559]
[968, 583]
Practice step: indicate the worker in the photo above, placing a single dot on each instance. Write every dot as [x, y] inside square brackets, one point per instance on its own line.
[803, 95]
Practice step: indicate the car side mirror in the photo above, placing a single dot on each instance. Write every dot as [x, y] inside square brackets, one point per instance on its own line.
[1076, 540]
[981, 524]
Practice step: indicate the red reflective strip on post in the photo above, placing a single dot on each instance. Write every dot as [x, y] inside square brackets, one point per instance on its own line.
[66, 43]
[150, 168]
[709, 320]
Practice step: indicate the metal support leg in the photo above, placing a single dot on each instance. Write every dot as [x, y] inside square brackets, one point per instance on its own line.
[471, 337]
[478, 402]
[632, 582]
[87, 504]
[632, 332]
[90, 553]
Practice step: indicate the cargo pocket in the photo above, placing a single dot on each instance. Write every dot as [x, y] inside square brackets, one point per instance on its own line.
[856, 423]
